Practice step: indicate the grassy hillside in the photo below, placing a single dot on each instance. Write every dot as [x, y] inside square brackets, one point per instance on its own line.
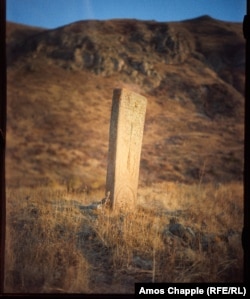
[189, 216]
[59, 105]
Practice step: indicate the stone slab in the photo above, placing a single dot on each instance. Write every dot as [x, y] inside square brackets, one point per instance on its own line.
[125, 142]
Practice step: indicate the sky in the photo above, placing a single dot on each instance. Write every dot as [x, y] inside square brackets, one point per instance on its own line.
[55, 13]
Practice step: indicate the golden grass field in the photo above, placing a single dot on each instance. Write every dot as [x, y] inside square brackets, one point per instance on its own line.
[55, 246]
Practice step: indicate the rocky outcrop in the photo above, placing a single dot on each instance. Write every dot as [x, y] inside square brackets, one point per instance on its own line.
[129, 46]
[142, 51]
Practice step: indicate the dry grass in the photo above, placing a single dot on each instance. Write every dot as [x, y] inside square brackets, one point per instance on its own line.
[53, 245]
[41, 251]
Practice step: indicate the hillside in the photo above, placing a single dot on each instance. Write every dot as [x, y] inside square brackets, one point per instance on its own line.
[187, 224]
[60, 85]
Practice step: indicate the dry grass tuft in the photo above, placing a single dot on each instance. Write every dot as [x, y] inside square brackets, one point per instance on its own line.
[41, 245]
[177, 233]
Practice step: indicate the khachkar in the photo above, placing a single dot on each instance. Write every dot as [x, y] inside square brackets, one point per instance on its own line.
[125, 141]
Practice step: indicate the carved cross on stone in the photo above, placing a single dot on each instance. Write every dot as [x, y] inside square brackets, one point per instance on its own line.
[125, 141]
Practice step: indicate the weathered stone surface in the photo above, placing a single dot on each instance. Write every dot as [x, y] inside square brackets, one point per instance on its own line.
[125, 140]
